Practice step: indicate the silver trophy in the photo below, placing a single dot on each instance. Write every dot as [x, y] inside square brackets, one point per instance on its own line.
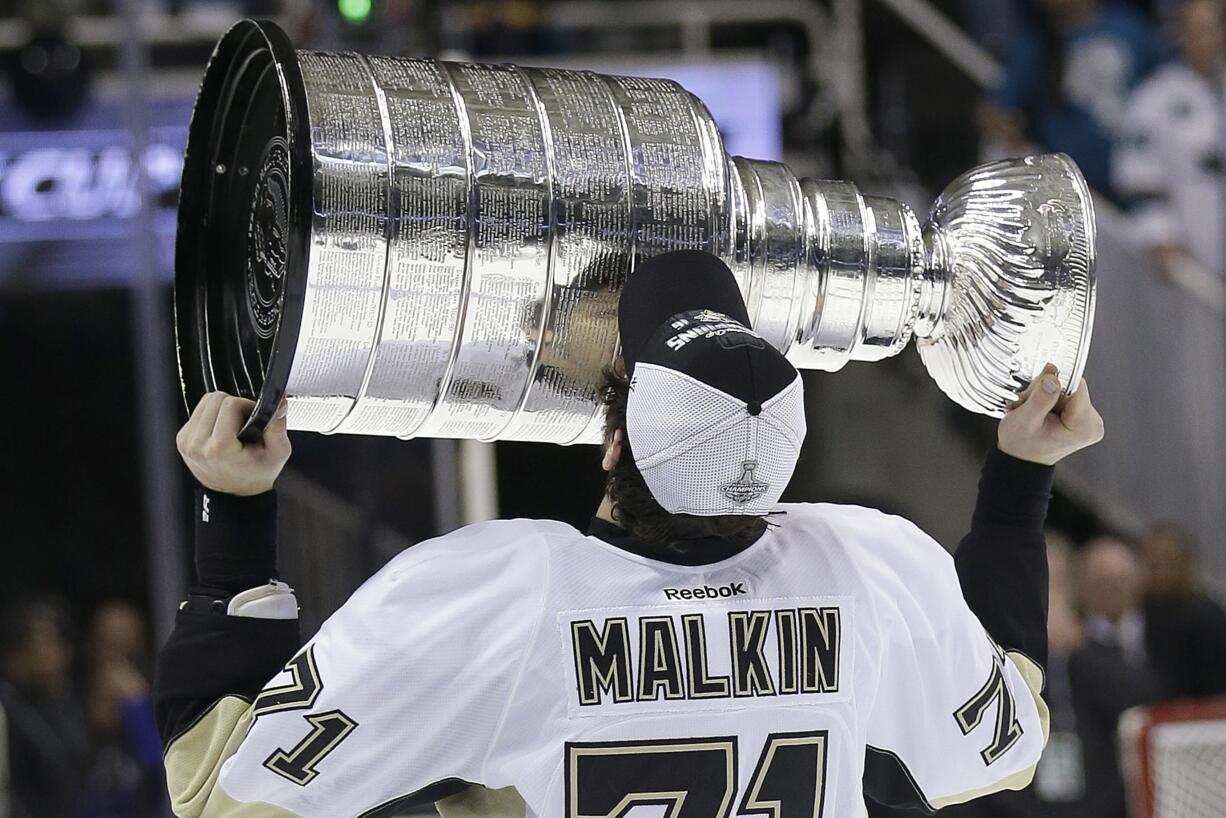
[410, 247]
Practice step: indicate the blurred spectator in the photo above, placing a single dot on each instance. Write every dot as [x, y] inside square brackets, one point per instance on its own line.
[1065, 84]
[48, 746]
[1185, 630]
[1110, 581]
[1169, 164]
[118, 635]
[1110, 672]
[1059, 783]
[127, 778]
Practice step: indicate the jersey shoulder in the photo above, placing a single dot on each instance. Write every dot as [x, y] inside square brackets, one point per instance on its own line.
[903, 576]
[521, 539]
[476, 567]
[868, 529]
[891, 554]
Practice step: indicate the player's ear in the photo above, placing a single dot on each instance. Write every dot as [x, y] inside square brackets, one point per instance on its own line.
[613, 452]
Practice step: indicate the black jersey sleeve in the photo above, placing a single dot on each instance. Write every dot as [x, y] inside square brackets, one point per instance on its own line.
[1002, 561]
[211, 655]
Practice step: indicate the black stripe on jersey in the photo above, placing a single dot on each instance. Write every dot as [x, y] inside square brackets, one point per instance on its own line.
[426, 795]
[888, 782]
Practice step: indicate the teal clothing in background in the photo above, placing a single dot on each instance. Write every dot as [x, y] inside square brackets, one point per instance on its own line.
[1103, 62]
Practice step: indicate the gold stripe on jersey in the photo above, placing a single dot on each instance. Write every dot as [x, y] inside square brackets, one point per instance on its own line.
[1033, 676]
[481, 802]
[194, 759]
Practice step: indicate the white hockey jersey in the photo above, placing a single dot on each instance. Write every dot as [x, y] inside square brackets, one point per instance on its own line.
[597, 682]
[1172, 161]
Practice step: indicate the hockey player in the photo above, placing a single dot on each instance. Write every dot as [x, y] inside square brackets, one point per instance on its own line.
[702, 649]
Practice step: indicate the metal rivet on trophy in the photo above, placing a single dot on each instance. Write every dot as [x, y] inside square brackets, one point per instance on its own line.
[410, 247]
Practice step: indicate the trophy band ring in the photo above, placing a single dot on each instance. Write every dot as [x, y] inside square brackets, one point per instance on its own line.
[409, 247]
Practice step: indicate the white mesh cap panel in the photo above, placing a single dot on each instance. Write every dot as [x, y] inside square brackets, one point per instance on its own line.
[701, 452]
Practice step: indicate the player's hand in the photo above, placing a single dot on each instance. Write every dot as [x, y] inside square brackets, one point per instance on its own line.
[210, 447]
[1045, 427]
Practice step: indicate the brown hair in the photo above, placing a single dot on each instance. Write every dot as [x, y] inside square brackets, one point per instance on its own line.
[635, 509]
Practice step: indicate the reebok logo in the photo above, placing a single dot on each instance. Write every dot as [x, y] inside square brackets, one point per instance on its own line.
[707, 592]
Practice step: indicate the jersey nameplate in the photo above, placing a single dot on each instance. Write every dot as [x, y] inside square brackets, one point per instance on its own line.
[744, 653]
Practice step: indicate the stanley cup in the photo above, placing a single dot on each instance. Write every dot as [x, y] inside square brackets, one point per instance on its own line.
[409, 247]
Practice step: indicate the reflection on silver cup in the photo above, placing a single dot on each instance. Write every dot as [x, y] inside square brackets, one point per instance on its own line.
[432, 248]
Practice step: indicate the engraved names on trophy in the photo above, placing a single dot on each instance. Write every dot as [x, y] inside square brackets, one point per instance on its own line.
[508, 257]
[671, 195]
[591, 252]
[348, 244]
[427, 251]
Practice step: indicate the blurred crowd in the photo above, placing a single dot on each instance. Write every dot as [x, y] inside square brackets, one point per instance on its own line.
[1136, 94]
[81, 740]
[1128, 625]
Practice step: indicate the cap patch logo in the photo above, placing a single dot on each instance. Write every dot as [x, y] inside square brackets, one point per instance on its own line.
[746, 487]
[707, 324]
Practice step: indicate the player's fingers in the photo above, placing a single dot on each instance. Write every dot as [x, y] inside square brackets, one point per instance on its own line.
[1043, 394]
[279, 423]
[200, 425]
[230, 419]
[276, 436]
[276, 439]
[1079, 401]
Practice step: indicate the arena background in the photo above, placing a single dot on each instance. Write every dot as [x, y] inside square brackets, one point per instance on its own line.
[889, 93]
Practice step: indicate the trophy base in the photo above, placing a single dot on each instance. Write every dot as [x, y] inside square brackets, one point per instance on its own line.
[238, 334]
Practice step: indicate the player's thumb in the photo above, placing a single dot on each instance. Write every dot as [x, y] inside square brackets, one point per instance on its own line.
[1044, 396]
